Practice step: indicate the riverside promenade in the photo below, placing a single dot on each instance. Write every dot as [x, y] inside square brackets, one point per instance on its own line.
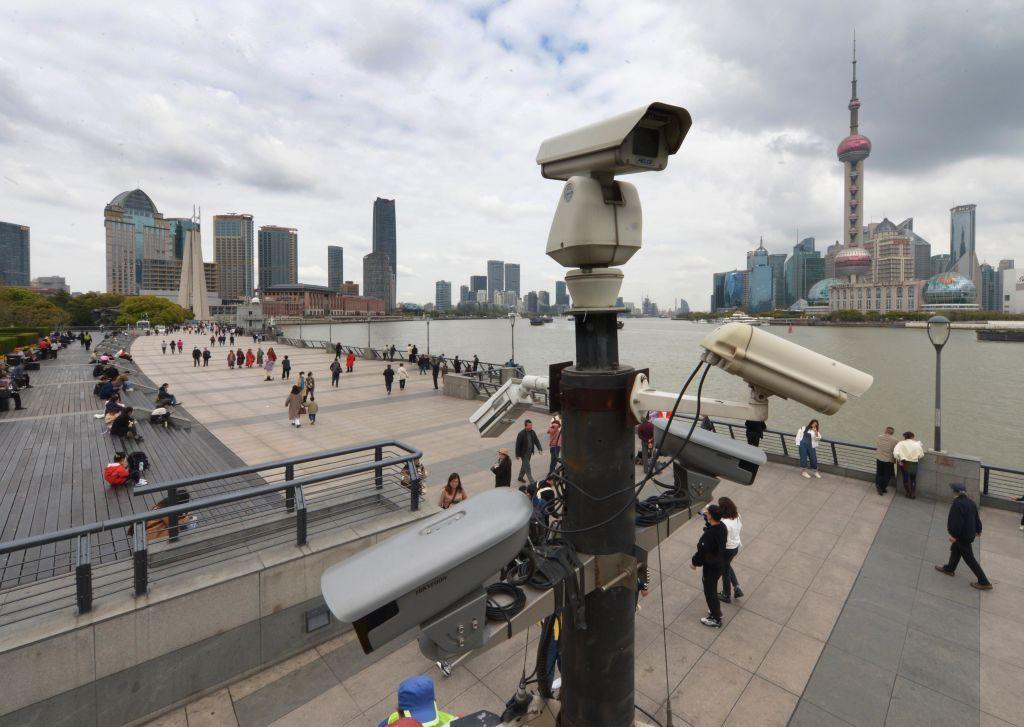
[844, 621]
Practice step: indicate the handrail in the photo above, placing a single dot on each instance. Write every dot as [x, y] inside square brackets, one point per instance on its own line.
[204, 503]
[275, 464]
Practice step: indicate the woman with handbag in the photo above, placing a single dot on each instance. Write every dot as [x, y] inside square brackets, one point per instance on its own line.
[295, 407]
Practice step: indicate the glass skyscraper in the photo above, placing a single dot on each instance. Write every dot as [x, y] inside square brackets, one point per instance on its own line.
[512, 277]
[135, 232]
[961, 231]
[385, 236]
[14, 254]
[443, 295]
[561, 294]
[233, 251]
[279, 256]
[759, 281]
[804, 268]
[335, 267]
[379, 279]
[495, 278]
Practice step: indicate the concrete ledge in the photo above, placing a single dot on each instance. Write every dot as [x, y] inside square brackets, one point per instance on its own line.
[130, 658]
[460, 385]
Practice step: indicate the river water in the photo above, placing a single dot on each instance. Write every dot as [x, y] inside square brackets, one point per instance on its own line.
[982, 382]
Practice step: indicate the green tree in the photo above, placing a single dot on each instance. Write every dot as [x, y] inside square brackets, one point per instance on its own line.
[21, 307]
[157, 310]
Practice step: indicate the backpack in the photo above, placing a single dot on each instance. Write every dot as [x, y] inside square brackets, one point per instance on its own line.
[138, 462]
[159, 416]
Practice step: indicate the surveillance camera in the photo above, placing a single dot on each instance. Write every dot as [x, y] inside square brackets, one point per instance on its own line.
[710, 454]
[640, 140]
[781, 368]
[431, 568]
[505, 405]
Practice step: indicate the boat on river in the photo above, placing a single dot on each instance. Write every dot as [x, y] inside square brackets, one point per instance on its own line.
[536, 321]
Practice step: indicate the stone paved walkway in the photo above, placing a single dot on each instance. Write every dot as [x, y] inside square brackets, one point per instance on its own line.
[843, 622]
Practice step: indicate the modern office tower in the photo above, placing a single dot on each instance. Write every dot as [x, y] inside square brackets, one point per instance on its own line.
[962, 252]
[379, 279]
[543, 299]
[495, 277]
[561, 294]
[777, 262]
[989, 297]
[279, 256]
[464, 295]
[683, 306]
[192, 291]
[512, 277]
[830, 258]
[717, 291]
[135, 232]
[852, 152]
[1003, 265]
[233, 251]
[443, 295]
[477, 283]
[760, 295]
[891, 254]
[481, 296]
[530, 302]
[804, 268]
[940, 264]
[335, 267]
[14, 254]
[385, 237]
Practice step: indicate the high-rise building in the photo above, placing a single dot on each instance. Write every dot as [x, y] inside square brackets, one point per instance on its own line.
[777, 262]
[892, 254]
[464, 295]
[717, 291]
[14, 254]
[561, 294]
[852, 151]
[335, 267]
[940, 264]
[495, 277]
[443, 295]
[989, 297]
[385, 237]
[760, 295]
[233, 251]
[543, 300]
[135, 232]
[1003, 265]
[804, 268]
[530, 302]
[279, 256]
[192, 293]
[477, 283]
[379, 279]
[683, 306]
[962, 251]
[512, 277]
[830, 258]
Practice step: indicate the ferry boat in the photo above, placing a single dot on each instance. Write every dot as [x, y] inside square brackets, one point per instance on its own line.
[739, 317]
[547, 319]
[536, 321]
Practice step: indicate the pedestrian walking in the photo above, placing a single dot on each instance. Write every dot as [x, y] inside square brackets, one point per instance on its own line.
[302, 382]
[268, 366]
[554, 441]
[908, 452]
[807, 439]
[884, 445]
[286, 367]
[239, 359]
[174, 347]
[755, 431]
[196, 355]
[350, 362]
[389, 377]
[453, 493]
[335, 372]
[964, 525]
[231, 339]
[231, 359]
[163, 347]
[403, 375]
[312, 408]
[181, 345]
[250, 359]
[295, 407]
[337, 350]
[206, 357]
[310, 389]
[733, 525]
[526, 443]
[502, 469]
[709, 557]
[435, 370]
[259, 356]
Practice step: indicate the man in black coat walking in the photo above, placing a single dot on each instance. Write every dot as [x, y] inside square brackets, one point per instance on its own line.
[526, 443]
[963, 526]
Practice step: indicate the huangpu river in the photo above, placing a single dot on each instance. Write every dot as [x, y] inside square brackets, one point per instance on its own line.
[982, 382]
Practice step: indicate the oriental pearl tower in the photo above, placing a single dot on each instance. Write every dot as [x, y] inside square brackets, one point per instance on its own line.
[853, 261]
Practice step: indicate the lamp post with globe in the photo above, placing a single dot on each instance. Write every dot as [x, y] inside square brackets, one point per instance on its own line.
[512, 321]
[938, 334]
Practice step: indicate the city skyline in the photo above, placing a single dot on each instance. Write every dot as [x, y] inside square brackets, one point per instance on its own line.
[759, 163]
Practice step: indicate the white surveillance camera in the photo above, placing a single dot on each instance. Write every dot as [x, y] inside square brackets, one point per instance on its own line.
[507, 404]
[779, 367]
[708, 453]
[431, 568]
[640, 140]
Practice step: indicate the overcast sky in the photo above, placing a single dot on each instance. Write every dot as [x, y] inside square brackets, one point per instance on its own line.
[302, 114]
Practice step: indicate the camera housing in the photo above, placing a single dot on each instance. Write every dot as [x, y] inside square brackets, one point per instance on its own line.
[782, 368]
[709, 454]
[429, 569]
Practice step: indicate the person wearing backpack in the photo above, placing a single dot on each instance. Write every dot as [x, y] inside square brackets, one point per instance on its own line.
[335, 372]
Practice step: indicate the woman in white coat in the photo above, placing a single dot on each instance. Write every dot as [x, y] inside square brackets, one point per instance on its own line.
[807, 439]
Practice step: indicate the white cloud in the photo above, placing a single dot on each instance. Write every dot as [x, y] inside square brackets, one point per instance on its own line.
[302, 118]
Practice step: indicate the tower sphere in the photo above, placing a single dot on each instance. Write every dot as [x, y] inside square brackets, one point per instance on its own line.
[853, 261]
[854, 148]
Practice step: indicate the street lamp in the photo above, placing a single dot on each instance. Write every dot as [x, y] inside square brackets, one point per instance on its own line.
[938, 334]
[428, 334]
[512, 321]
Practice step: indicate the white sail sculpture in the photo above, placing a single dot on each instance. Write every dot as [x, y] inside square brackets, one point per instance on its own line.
[192, 291]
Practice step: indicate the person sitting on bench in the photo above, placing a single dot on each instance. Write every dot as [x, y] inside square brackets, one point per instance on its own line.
[7, 390]
[164, 397]
[117, 473]
[124, 426]
[19, 378]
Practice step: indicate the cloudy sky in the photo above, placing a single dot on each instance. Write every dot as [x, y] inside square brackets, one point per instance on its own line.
[302, 117]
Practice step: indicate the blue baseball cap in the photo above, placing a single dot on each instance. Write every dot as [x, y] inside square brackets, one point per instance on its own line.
[958, 486]
[416, 696]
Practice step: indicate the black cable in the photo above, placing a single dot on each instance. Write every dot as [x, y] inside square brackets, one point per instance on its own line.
[496, 611]
[646, 714]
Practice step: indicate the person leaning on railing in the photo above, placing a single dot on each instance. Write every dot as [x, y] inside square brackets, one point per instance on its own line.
[908, 452]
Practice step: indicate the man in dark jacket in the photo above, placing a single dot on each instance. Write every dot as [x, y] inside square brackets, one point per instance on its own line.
[710, 557]
[963, 526]
[196, 355]
[502, 469]
[389, 377]
[755, 431]
[526, 443]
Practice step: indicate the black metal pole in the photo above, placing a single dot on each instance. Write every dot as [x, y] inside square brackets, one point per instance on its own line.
[938, 398]
[597, 645]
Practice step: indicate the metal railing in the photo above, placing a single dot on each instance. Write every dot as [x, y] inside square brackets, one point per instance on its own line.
[489, 368]
[1002, 482]
[281, 501]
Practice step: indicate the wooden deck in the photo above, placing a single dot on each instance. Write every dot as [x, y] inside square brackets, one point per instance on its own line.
[52, 456]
